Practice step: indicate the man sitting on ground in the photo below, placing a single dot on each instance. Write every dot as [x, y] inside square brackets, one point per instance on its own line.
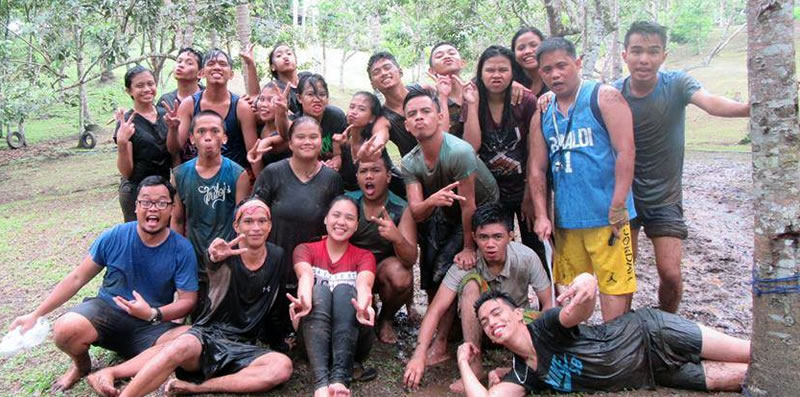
[386, 228]
[638, 350]
[146, 263]
[503, 265]
[219, 355]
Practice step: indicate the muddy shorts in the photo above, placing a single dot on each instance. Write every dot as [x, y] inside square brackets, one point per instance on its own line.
[675, 344]
[220, 356]
[118, 331]
[440, 240]
[661, 222]
[587, 251]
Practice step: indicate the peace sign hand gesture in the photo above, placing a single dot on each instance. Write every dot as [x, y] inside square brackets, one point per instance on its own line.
[298, 308]
[370, 150]
[281, 102]
[219, 250]
[126, 128]
[341, 139]
[247, 54]
[470, 93]
[386, 226]
[444, 84]
[257, 151]
[171, 116]
[445, 196]
[365, 313]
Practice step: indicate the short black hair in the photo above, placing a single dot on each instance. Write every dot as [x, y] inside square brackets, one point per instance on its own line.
[274, 73]
[197, 54]
[343, 197]
[553, 44]
[206, 112]
[385, 159]
[155, 180]
[418, 91]
[493, 294]
[300, 121]
[215, 52]
[646, 28]
[437, 45]
[379, 56]
[491, 213]
[133, 72]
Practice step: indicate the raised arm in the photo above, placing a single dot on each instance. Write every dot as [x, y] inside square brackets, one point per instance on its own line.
[406, 250]
[185, 111]
[250, 71]
[380, 136]
[63, 291]
[466, 189]
[619, 122]
[580, 299]
[472, 126]
[247, 121]
[537, 181]
[719, 106]
[472, 386]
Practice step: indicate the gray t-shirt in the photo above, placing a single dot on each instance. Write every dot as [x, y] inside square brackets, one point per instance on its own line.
[659, 129]
[522, 268]
[457, 161]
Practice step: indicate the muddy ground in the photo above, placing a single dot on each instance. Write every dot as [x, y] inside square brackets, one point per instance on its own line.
[717, 262]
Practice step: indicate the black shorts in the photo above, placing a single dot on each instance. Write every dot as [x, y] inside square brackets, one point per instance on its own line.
[664, 221]
[675, 344]
[220, 356]
[118, 331]
[439, 240]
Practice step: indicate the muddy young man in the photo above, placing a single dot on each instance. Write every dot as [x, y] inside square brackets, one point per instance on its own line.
[146, 264]
[219, 355]
[638, 350]
[386, 227]
[503, 265]
[187, 75]
[445, 181]
[445, 65]
[658, 100]
[239, 120]
[209, 186]
[586, 133]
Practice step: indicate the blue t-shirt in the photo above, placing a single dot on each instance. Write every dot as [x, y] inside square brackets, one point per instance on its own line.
[582, 162]
[154, 272]
[659, 123]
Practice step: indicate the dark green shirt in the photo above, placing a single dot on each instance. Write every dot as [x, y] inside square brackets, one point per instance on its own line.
[367, 235]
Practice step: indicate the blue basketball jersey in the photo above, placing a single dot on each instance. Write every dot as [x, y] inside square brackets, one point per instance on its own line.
[581, 161]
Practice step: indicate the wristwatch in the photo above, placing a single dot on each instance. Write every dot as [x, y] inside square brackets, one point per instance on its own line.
[157, 317]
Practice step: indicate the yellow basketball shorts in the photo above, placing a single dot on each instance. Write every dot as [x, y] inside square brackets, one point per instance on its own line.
[587, 251]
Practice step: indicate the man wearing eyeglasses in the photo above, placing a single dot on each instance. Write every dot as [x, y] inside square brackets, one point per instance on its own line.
[146, 263]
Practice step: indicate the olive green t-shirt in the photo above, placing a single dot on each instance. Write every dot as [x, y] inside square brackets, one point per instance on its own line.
[457, 161]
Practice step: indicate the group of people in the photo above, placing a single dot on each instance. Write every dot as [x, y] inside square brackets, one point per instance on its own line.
[270, 222]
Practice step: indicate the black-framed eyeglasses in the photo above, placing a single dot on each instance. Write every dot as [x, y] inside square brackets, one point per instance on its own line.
[163, 204]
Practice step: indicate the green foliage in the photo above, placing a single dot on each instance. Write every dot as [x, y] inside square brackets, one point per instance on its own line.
[692, 24]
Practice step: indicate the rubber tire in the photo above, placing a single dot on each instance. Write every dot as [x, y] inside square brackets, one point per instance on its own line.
[88, 140]
[15, 140]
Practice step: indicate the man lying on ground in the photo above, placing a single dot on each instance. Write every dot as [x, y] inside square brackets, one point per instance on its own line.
[503, 265]
[219, 354]
[637, 350]
[146, 263]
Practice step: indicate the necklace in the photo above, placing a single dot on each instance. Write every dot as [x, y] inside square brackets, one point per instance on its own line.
[562, 138]
[514, 366]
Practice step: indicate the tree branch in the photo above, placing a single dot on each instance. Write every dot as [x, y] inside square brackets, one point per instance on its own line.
[717, 49]
[116, 65]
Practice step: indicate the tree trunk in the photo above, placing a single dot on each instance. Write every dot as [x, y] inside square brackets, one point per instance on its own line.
[775, 356]
[213, 37]
[243, 33]
[324, 58]
[191, 20]
[83, 112]
[592, 37]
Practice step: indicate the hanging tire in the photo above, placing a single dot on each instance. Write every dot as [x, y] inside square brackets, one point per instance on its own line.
[87, 141]
[15, 140]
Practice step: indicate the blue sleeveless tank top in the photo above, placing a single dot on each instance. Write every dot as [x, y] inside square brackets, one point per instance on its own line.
[582, 162]
[235, 148]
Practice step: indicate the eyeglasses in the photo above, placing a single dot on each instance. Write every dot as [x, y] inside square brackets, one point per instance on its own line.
[149, 203]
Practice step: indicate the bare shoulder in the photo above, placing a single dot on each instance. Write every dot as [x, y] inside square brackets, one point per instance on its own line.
[608, 95]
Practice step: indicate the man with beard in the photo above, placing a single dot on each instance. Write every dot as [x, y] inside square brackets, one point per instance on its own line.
[146, 264]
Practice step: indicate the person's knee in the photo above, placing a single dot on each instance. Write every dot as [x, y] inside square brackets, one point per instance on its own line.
[181, 350]
[394, 275]
[278, 369]
[72, 329]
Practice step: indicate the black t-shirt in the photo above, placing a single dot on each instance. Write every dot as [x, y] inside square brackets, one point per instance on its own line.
[456, 124]
[608, 357]
[333, 121]
[249, 307]
[294, 102]
[149, 141]
[172, 96]
[298, 209]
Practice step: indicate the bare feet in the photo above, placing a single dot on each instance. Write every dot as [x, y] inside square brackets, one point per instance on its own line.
[458, 387]
[386, 332]
[437, 353]
[102, 382]
[177, 386]
[338, 390]
[73, 375]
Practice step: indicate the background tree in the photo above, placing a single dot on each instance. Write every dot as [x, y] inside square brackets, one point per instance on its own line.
[775, 360]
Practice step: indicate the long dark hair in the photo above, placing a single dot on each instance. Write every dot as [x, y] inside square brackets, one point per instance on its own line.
[519, 73]
[374, 108]
[483, 107]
